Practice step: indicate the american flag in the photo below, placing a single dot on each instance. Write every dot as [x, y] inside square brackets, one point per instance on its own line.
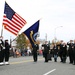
[12, 21]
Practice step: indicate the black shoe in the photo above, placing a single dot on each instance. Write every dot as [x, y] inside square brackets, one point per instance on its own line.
[74, 64]
[70, 63]
[46, 60]
[55, 61]
[35, 61]
[61, 61]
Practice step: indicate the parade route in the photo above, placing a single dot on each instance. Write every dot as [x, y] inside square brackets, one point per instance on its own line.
[26, 66]
[49, 72]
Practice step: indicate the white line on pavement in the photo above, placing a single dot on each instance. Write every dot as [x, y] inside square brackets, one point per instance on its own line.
[49, 72]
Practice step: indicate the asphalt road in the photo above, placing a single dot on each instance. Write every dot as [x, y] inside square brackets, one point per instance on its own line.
[26, 66]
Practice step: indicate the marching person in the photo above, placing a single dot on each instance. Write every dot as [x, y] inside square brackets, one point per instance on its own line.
[70, 51]
[74, 53]
[1, 50]
[64, 52]
[61, 50]
[34, 52]
[46, 50]
[6, 55]
[55, 52]
[43, 49]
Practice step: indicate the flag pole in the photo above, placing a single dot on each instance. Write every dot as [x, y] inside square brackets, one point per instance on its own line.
[15, 38]
[2, 31]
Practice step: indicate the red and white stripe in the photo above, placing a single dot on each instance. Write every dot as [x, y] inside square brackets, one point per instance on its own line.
[15, 24]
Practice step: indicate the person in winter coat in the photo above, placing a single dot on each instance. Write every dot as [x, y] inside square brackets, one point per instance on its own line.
[6, 55]
[46, 50]
[64, 52]
[1, 51]
[55, 52]
[74, 53]
[70, 51]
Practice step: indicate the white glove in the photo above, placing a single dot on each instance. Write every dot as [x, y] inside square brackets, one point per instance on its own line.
[9, 48]
[0, 41]
[3, 47]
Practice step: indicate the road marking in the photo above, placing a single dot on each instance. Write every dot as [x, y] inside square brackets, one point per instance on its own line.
[49, 72]
[20, 62]
[23, 61]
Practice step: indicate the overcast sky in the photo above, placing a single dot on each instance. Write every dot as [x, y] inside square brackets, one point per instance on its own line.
[52, 14]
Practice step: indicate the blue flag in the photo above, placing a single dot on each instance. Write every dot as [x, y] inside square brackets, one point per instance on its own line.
[32, 33]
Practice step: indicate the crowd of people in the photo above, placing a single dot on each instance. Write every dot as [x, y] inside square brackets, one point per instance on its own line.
[62, 49]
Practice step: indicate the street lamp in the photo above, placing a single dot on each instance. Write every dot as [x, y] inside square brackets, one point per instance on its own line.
[55, 32]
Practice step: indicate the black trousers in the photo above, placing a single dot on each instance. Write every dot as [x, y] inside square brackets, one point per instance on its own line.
[1, 56]
[46, 57]
[71, 58]
[35, 57]
[61, 58]
[64, 59]
[74, 59]
[4, 55]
